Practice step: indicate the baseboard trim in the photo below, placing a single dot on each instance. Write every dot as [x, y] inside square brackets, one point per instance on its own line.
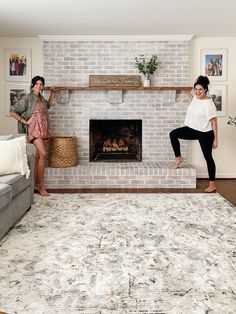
[220, 176]
[125, 190]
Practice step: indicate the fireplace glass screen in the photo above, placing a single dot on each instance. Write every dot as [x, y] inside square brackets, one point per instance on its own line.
[115, 140]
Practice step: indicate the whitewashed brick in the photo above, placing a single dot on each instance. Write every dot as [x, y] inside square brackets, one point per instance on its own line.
[71, 63]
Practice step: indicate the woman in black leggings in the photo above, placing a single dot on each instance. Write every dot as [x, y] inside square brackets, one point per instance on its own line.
[200, 124]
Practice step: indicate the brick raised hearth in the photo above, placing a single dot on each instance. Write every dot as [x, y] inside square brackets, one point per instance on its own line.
[121, 175]
[70, 63]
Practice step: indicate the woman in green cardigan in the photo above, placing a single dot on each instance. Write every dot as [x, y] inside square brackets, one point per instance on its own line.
[31, 112]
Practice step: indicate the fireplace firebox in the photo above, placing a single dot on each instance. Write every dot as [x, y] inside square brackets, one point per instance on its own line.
[113, 140]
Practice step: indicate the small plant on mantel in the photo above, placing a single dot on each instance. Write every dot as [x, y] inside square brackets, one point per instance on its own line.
[232, 121]
[147, 68]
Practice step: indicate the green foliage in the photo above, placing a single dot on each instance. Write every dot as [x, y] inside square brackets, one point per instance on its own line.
[232, 121]
[147, 67]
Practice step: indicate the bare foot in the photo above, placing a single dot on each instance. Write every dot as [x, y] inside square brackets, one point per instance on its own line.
[210, 189]
[42, 191]
[178, 161]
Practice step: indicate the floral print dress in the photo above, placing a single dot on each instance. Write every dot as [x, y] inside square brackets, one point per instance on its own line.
[39, 126]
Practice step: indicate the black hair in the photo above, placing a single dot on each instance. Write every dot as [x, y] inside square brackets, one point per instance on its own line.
[203, 81]
[35, 79]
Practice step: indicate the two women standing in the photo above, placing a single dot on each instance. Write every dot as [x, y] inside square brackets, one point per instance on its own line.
[200, 124]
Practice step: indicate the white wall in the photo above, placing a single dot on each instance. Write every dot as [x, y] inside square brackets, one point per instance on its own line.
[225, 154]
[8, 124]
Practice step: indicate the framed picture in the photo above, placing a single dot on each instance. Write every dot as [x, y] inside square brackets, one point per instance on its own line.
[18, 64]
[213, 64]
[218, 95]
[14, 93]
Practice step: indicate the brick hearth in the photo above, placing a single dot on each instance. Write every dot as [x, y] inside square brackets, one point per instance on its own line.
[121, 175]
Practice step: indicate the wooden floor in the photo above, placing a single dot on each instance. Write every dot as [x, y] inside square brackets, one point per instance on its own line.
[225, 187]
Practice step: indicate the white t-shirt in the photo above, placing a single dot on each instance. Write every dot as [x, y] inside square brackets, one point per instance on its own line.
[199, 114]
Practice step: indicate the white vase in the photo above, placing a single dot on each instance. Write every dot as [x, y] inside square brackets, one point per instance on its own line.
[146, 82]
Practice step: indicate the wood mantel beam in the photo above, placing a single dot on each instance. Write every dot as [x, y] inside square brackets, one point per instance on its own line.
[124, 88]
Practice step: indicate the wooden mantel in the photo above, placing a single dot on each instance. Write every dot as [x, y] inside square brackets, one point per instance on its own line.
[123, 88]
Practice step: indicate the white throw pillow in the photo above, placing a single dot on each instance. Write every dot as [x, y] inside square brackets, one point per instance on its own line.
[13, 157]
[6, 137]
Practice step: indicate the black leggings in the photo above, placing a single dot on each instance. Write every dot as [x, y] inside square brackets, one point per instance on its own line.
[205, 140]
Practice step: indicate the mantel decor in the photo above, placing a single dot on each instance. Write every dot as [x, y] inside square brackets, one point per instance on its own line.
[147, 68]
[114, 80]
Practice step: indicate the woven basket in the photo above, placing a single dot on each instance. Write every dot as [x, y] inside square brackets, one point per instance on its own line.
[62, 152]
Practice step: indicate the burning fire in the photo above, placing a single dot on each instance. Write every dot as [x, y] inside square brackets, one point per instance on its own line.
[115, 145]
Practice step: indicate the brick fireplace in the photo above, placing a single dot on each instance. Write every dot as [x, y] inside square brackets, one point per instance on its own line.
[70, 63]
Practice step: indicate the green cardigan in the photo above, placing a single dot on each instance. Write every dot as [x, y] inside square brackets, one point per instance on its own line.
[25, 108]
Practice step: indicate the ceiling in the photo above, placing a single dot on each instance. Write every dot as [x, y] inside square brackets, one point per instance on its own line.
[201, 18]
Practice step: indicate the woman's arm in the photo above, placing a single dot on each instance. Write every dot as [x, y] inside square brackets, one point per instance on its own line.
[215, 130]
[18, 117]
[191, 94]
[17, 109]
[51, 95]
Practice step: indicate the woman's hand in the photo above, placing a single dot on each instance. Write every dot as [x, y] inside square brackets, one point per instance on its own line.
[215, 144]
[53, 89]
[28, 121]
[215, 131]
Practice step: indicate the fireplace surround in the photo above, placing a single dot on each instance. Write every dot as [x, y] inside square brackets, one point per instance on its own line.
[160, 110]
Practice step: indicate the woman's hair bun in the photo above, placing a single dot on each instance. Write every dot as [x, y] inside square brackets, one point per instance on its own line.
[203, 79]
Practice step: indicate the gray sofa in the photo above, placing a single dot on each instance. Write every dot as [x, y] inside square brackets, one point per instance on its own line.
[16, 197]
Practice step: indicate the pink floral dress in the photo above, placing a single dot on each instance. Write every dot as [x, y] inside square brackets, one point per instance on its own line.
[39, 126]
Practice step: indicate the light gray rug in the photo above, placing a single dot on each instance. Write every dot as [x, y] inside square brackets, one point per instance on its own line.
[121, 254]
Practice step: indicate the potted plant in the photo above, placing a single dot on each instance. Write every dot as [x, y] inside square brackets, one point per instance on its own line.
[232, 121]
[147, 68]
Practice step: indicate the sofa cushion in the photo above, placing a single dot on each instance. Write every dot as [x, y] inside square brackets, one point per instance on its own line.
[5, 195]
[13, 157]
[17, 182]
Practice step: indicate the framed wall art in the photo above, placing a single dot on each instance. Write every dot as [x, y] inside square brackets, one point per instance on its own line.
[13, 94]
[18, 64]
[214, 64]
[218, 95]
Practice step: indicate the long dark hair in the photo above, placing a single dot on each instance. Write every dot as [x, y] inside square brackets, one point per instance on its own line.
[35, 79]
[203, 81]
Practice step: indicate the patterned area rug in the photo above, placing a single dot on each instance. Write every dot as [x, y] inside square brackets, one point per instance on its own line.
[121, 254]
